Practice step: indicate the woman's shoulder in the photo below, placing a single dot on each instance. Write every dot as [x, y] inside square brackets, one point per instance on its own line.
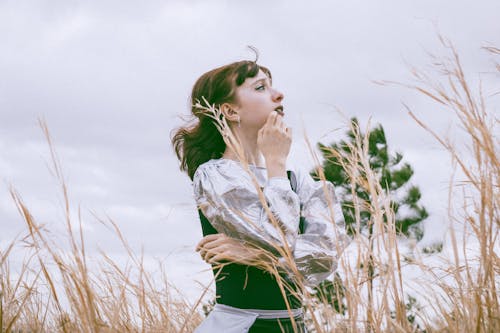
[219, 176]
[217, 167]
[215, 163]
[209, 164]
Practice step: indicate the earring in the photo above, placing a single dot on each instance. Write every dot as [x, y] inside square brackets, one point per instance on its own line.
[239, 122]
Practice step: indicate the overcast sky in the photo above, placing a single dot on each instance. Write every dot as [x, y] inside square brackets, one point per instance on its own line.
[111, 78]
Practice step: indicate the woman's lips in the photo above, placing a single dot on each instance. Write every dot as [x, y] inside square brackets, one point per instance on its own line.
[280, 111]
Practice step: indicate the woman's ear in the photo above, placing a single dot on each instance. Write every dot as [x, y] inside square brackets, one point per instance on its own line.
[229, 112]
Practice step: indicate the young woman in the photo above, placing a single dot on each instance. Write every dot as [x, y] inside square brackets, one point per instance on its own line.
[256, 204]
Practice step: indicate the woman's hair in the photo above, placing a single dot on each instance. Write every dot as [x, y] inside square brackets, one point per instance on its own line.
[201, 141]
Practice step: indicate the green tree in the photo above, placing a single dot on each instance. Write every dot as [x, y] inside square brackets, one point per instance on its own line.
[393, 176]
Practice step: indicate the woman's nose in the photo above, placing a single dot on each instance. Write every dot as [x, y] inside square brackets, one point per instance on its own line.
[278, 96]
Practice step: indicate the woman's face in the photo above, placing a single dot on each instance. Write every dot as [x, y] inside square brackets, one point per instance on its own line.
[256, 99]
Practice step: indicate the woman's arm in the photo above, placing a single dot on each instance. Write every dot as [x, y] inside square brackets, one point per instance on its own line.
[315, 252]
[218, 248]
[230, 200]
[317, 249]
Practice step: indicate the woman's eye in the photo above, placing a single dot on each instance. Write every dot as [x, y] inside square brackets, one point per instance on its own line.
[261, 87]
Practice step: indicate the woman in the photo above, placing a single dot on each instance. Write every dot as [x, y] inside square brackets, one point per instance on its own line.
[236, 157]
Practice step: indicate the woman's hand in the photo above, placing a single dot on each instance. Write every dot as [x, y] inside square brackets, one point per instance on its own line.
[218, 248]
[274, 141]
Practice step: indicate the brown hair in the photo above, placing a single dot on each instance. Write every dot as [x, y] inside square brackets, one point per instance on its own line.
[201, 141]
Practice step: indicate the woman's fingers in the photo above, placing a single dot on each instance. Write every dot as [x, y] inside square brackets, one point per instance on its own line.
[211, 245]
[216, 255]
[207, 240]
[217, 259]
[221, 252]
[273, 120]
[220, 248]
[221, 240]
[226, 253]
[277, 119]
[207, 253]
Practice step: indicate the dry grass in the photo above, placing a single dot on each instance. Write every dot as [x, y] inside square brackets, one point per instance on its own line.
[473, 301]
[58, 290]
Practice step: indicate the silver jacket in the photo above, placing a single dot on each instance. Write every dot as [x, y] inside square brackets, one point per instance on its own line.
[229, 199]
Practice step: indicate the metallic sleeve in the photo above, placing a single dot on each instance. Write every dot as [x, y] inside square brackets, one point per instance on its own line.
[324, 238]
[230, 201]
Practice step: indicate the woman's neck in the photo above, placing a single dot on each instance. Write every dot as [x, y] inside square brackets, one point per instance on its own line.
[250, 147]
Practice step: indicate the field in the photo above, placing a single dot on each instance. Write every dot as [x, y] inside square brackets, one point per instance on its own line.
[64, 290]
